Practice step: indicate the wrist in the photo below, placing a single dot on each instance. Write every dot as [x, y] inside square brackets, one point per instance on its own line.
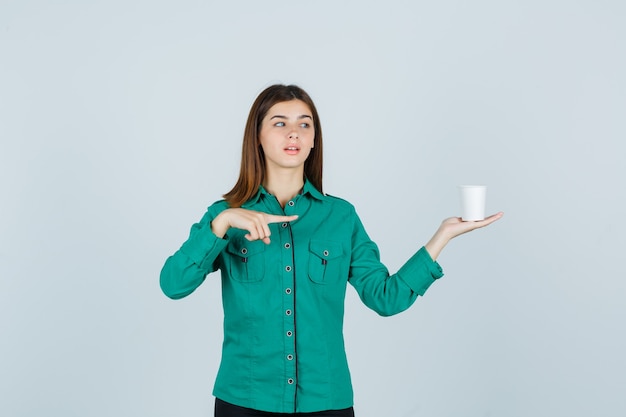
[219, 225]
[436, 244]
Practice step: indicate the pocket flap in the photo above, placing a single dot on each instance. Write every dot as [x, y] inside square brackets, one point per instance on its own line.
[325, 249]
[244, 248]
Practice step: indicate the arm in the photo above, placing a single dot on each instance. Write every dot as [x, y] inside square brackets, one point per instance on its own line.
[384, 293]
[390, 294]
[187, 268]
[184, 271]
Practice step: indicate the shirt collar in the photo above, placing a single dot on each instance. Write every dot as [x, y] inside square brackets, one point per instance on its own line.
[312, 191]
[308, 188]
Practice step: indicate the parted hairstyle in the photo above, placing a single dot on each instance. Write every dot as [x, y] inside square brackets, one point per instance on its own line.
[252, 171]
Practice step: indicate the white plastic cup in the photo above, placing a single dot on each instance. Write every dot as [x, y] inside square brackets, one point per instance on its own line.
[473, 202]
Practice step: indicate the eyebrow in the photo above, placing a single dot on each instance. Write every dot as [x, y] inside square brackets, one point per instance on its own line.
[302, 116]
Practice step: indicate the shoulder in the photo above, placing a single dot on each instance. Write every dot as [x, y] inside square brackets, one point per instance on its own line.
[217, 207]
[340, 203]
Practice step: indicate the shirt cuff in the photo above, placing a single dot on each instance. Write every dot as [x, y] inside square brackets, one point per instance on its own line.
[204, 246]
[420, 271]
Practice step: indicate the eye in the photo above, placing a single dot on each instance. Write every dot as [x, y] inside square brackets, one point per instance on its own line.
[305, 125]
[279, 124]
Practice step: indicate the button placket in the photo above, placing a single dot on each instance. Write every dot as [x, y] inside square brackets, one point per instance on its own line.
[288, 289]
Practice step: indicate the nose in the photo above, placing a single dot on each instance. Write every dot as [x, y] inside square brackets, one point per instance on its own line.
[293, 134]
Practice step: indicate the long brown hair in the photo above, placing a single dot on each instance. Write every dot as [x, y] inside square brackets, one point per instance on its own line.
[252, 171]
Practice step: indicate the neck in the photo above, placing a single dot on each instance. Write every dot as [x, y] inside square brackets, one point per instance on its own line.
[284, 185]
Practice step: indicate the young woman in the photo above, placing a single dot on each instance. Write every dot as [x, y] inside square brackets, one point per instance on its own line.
[286, 251]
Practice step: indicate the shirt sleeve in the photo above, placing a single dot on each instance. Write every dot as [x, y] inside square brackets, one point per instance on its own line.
[187, 268]
[384, 293]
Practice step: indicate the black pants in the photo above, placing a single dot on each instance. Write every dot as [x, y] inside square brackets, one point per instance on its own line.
[224, 409]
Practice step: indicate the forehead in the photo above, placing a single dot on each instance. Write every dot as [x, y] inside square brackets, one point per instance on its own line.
[289, 108]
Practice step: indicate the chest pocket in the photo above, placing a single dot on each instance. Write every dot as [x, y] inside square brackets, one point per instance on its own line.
[245, 260]
[325, 261]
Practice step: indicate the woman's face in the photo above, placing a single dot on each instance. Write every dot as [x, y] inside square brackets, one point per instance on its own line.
[287, 135]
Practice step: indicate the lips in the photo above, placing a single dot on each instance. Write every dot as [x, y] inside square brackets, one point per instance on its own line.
[292, 150]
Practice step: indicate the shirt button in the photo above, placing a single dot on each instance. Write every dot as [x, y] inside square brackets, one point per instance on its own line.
[288, 268]
[325, 253]
[289, 357]
[244, 250]
[290, 381]
[288, 312]
[288, 291]
[287, 245]
[289, 333]
[284, 225]
[291, 203]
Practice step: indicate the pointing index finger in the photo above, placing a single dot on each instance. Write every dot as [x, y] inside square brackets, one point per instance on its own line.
[272, 218]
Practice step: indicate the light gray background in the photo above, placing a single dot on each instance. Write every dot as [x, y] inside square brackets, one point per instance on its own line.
[121, 121]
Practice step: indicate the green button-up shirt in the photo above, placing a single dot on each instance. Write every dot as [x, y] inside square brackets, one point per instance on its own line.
[283, 303]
